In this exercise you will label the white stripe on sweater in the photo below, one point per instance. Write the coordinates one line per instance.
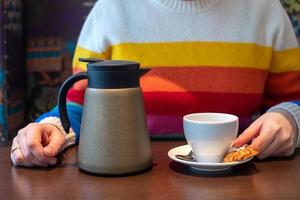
(262, 22)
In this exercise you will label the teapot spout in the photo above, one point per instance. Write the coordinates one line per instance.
(144, 71)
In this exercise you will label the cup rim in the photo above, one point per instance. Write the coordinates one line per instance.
(234, 118)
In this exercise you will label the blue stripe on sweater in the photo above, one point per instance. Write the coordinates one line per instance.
(74, 113)
(296, 102)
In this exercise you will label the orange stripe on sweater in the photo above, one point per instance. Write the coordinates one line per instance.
(283, 83)
(211, 79)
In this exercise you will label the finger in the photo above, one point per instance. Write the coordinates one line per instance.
(19, 160)
(269, 150)
(57, 141)
(22, 140)
(17, 157)
(265, 138)
(251, 132)
(284, 153)
(34, 144)
(284, 150)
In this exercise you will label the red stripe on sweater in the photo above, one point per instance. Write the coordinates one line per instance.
(181, 103)
(76, 96)
(273, 99)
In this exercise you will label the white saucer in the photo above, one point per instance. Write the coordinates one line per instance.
(209, 167)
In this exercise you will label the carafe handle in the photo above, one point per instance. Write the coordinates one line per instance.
(62, 98)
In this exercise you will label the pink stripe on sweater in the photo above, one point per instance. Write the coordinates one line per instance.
(164, 125)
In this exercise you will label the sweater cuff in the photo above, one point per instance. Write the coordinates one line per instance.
(294, 110)
(70, 137)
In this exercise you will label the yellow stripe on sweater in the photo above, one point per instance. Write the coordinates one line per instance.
(85, 53)
(286, 61)
(195, 54)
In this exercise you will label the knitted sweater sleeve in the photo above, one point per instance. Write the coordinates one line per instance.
(88, 46)
(283, 84)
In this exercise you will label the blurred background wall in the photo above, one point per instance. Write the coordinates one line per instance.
(52, 28)
(37, 41)
(12, 67)
(293, 9)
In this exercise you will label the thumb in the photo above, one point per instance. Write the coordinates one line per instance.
(50, 151)
(251, 132)
(57, 140)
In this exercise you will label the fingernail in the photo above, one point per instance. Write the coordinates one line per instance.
(232, 143)
(235, 143)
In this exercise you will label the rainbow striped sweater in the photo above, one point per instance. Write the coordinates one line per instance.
(231, 56)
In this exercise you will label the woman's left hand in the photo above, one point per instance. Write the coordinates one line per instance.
(272, 134)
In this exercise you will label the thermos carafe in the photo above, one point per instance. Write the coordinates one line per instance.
(114, 138)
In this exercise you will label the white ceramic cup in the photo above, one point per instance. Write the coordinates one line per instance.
(210, 135)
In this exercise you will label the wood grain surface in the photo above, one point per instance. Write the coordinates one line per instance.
(268, 179)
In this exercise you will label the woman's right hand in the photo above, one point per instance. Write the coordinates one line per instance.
(37, 145)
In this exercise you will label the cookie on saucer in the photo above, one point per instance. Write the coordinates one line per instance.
(240, 154)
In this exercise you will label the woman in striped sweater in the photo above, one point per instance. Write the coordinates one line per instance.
(232, 56)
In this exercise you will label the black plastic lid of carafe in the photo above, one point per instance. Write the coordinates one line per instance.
(110, 74)
(112, 65)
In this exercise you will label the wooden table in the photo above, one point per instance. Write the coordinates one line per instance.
(269, 179)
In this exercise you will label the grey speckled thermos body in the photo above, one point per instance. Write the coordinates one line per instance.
(114, 137)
